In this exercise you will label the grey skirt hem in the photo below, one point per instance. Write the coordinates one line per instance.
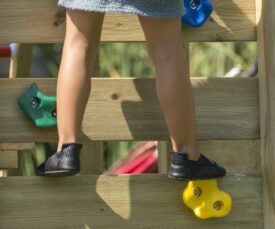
(176, 9)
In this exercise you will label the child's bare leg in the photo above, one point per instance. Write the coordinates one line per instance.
(174, 89)
(83, 30)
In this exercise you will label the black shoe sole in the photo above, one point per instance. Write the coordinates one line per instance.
(57, 173)
(192, 179)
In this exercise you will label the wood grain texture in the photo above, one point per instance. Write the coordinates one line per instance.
(8, 173)
(135, 201)
(16, 146)
(20, 66)
(127, 108)
(266, 57)
(40, 21)
(8, 159)
(163, 148)
(92, 155)
(235, 155)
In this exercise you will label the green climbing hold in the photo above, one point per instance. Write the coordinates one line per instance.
(39, 107)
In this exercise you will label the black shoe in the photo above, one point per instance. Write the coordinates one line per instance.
(184, 169)
(63, 163)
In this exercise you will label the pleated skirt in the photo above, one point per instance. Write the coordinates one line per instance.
(161, 9)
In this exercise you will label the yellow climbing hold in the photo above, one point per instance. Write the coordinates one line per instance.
(206, 199)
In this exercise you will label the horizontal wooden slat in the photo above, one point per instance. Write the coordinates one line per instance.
(127, 109)
(135, 201)
(39, 21)
(8, 173)
(8, 159)
(235, 155)
(16, 146)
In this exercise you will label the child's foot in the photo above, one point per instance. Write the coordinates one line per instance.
(184, 169)
(62, 163)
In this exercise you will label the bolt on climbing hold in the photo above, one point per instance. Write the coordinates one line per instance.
(40, 108)
(206, 199)
(196, 12)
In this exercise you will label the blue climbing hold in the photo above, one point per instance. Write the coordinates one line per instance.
(196, 12)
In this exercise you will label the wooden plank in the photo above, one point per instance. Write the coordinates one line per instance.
(136, 201)
(238, 156)
(21, 66)
(39, 21)
(92, 155)
(127, 109)
(164, 148)
(16, 146)
(8, 160)
(266, 56)
(8, 172)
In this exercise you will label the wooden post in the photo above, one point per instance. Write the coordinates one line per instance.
(21, 67)
(163, 156)
(92, 155)
(9, 161)
(265, 13)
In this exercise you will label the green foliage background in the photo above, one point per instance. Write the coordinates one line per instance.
(207, 59)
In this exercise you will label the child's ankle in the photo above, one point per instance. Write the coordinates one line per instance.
(193, 155)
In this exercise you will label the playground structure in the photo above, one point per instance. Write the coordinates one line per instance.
(235, 119)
